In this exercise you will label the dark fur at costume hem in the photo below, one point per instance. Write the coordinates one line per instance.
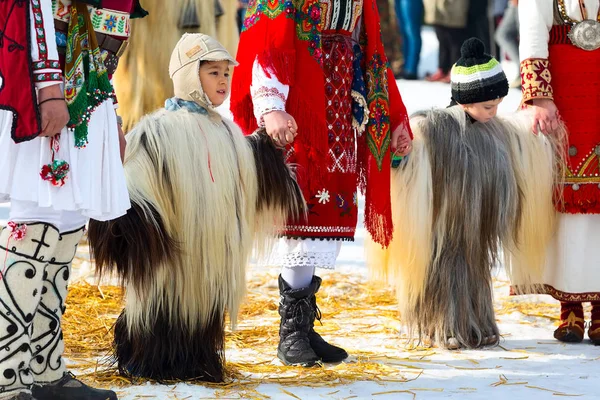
(131, 244)
(167, 351)
(277, 187)
(321, 238)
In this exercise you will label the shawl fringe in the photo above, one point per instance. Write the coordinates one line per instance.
(585, 200)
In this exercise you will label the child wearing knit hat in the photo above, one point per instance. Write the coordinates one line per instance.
(476, 187)
(478, 82)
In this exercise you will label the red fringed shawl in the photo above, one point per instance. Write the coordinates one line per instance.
(17, 91)
(285, 37)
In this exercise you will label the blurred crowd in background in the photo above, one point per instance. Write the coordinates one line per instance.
(495, 22)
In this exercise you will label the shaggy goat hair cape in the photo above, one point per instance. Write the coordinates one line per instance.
(468, 193)
(202, 195)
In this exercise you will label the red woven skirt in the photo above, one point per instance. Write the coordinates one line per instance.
(333, 209)
(576, 84)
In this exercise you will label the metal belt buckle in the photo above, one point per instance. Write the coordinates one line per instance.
(586, 35)
(122, 48)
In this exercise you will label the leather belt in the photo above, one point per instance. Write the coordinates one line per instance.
(105, 42)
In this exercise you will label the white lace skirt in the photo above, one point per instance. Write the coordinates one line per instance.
(95, 185)
(293, 253)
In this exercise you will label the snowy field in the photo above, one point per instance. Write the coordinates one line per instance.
(529, 364)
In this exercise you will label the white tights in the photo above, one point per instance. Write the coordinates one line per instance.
(29, 211)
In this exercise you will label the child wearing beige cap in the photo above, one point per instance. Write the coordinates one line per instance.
(200, 72)
(201, 193)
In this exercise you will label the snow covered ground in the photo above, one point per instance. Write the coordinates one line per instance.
(530, 364)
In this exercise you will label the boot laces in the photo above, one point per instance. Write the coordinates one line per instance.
(318, 314)
(298, 311)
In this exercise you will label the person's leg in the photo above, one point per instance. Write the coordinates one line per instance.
(443, 56)
(478, 24)
(297, 277)
(412, 14)
(47, 335)
(299, 344)
(457, 37)
(594, 330)
(26, 248)
(46, 366)
(508, 33)
(571, 326)
(402, 23)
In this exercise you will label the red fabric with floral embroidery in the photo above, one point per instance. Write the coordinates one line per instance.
(332, 209)
(286, 39)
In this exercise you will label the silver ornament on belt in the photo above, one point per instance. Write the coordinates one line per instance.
(586, 35)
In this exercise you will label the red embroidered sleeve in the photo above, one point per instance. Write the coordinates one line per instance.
(536, 79)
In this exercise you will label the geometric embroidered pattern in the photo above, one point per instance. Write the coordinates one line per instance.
(40, 32)
(337, 64)
(536, 79)
(47, 344)
(20, 292)
(48, 77)
(46, 64)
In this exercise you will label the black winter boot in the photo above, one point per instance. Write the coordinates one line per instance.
(68, 387)
(22, 396)
(327, 352)
(297, 317)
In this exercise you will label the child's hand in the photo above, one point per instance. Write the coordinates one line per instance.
(546, 116)
(281, 127)
(401, 141)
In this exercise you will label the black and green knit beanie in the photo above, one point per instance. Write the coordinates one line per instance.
(477, 77)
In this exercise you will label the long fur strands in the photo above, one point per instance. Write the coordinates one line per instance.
(466, 191)
(201, 194)
(278, 195)
(538, 165)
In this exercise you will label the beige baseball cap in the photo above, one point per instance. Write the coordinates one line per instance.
(194, 47)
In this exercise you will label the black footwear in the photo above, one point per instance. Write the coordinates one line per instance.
(327, 352)
(23, 396)
(572, 323)
(297, 315)
(409, 77)
(68, 387)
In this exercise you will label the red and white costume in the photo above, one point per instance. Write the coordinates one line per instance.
(95, 185)
(553, 67)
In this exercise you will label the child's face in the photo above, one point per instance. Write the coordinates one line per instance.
(483, 112)
(214, 78)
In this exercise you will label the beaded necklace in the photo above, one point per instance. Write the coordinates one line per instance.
(584, 34)
(568, 20)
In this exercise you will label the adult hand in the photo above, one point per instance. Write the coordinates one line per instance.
(281, 127)
(54, 113)
(401, 141)
(545, 116)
